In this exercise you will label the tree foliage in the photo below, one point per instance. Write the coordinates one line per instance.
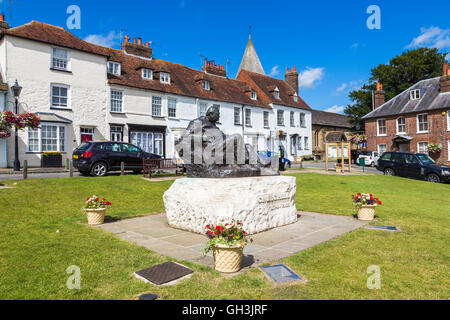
(401, 73)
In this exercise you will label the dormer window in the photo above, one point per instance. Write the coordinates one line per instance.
(206, 85)
(276, 93)
(147, 74)
(295, 97)
(254, 95)
(164, 77)
(114, 68)
(414, 94)
(60, 59)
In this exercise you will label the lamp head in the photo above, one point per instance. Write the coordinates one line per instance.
(16, 89)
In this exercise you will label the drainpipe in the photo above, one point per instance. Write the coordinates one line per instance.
(6, 108)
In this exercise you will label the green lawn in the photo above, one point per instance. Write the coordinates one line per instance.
(34, 257)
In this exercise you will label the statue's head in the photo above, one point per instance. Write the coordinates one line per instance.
(213, 113)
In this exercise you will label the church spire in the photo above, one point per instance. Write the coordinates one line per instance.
(250, 61)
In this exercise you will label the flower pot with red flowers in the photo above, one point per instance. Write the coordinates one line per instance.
(227, 243)
(96, 209)
(365, 205)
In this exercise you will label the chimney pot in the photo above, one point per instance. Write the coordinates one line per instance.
(140, 41)
(445, 69)
(134, 40)
(2, 16)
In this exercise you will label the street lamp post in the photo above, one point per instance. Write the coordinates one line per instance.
(16, 90)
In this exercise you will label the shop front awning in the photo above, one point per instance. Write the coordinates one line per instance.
(51, 117)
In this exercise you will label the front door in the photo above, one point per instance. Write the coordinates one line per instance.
(403, 147)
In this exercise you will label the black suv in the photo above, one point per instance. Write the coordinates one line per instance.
(97, 158)
(413, 165)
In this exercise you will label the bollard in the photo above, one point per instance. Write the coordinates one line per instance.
(67, 164)
(71, 168)
(25, 170)
(122, 168)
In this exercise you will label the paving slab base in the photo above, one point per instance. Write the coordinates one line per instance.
(311, 229)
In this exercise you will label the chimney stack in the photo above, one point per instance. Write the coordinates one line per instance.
(292, 79)
(213, 68)
(3, 23)
(445, 79)
(137, 48)
(379, 96)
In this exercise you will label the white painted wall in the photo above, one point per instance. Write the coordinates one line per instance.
(29, 62)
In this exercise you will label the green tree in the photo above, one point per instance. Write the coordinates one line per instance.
(401, 73)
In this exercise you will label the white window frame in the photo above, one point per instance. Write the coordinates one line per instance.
(276, 93)
(254, 95)
(418, 147)
(378, 128)
(303, 120)
(58, 138)
(448, 122)
(414, 94)
(111, 100)
(206, 85)
(155, 105)
(306, 146)
(116, 130)
(164, 77)
(418, 123)
(168, 108)
(200, 104)
(398, 130)
(385, 148)
(292, 119)
(147, 74)
(300, 143)
(52, 62)
(237, 116)
(248, 120)
(282, 118)
(266, 119)
(68, 107)
(114, 68)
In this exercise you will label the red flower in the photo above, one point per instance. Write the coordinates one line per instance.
(96, 199)
(208, 226)
(371, 199)
(380, 203)
(217, 228)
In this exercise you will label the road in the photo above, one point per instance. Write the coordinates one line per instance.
(321, 165)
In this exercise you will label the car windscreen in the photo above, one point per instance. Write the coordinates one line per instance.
(425, 158)
(365, 153)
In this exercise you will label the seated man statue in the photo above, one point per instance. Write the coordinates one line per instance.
(208, 153)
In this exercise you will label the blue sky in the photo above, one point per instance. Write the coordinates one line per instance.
(328, 41)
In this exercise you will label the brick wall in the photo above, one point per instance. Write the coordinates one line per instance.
(438, 132)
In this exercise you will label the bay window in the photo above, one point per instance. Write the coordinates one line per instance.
(48, 138)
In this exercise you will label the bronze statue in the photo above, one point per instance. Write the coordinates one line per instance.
(208, 153)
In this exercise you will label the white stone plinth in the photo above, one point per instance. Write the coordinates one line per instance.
(260, 203)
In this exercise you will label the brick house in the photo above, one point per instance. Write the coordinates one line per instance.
(412, 120)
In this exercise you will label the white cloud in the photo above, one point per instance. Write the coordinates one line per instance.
(110, 40)
(336, 109)
(432, 37)
(275, 71)
(342, 87)
(310, 77)
(355, 45)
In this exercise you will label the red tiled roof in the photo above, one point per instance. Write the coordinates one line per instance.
(184, 80)
(266, 85)
(54, 35)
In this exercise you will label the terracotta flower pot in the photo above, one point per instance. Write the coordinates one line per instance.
(96, 216)
(366, 213)
(228, 259)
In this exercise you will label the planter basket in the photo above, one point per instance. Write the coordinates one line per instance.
(96, 216)
(366, 213)
(228, 259)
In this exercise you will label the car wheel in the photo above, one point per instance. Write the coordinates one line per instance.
(99, 169)
(433, 178)
(389, 172)
(372, 164)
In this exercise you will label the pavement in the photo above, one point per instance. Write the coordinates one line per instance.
(154, 233)
(321, 165)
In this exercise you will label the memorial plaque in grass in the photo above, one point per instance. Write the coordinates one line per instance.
(281, 274)
(163, 273)
(383, 228)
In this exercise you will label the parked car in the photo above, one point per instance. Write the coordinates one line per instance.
(99, 158)
(413, 165)
(370, 157)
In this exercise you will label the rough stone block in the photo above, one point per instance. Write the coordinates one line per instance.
(260, 203)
